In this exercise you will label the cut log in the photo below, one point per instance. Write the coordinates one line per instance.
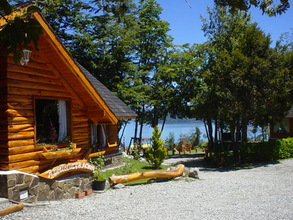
(179, 169)
(11, 209)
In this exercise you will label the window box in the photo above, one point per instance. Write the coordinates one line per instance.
(59, 151)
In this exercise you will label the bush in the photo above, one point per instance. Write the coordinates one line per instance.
(156, 154)
(267, 151)
(285, 148)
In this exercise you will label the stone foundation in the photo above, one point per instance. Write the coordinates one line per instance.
(20, 186)
(113, 160)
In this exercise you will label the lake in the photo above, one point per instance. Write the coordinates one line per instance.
(178, 127)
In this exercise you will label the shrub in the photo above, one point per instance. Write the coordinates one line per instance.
(267, 151)
(156, 154)
(285, 148)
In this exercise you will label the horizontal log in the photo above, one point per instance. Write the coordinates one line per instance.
(18, 143)
(22, 149)
(78, 113)
(179, 169)
(20, 105)
(20, 113)
(39, 92)
(19, 98)
(24, 164)
(20, 127)
(20, 120)
(11, 209)
(81, 130)
(79, 119)
(49, 79)
(22, 157)
(38, 69)
(35, 156)
(33, 85)
(77, 124)
(18, 135)
(32, 169)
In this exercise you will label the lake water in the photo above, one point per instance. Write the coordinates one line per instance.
(179, 127)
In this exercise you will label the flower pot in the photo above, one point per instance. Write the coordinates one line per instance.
(99, 185)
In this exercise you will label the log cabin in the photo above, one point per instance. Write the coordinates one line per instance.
(54, 112)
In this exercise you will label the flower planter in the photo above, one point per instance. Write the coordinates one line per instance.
(99, 185)
(59, 153)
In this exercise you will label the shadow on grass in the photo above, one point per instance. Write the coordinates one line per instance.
(208, 165)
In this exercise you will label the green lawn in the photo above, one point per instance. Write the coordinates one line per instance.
(132, 166)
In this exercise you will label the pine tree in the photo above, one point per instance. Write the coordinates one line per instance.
(156, 154)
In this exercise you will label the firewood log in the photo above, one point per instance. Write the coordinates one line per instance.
(179, 169)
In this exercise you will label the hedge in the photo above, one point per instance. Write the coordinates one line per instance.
(267, 151)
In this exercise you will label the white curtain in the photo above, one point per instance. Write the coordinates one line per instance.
(62, 120)
(102, 135)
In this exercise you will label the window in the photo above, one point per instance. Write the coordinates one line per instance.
(52, 120)
(282, 127)
(98, 136)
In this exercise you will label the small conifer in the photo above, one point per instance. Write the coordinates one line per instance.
(156, 154)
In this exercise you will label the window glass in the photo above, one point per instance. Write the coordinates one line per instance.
(98, 136)
(52, 120)
(282, 127)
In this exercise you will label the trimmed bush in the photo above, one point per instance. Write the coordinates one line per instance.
(267, 151)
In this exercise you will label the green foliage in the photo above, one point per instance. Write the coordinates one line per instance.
(19, 32)
(156, 154)
(267, 151)
(244, 81)
(285, 148)
(267, 7)
(170, 141)
(126, 169)
(97, 161)
(99, 175)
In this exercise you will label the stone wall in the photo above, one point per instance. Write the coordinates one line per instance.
(20, 186)
(113, 160)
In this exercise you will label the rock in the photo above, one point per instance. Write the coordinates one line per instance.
(193, 173)
(141, 159)
(118, 186)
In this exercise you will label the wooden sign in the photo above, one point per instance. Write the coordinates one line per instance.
(80, 166)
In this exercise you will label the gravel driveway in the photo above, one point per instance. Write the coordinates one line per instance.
(264, 192)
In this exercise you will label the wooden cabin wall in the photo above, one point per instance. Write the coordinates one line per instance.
(24, 83)
(3, 108)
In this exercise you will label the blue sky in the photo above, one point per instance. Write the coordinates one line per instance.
(185, 22)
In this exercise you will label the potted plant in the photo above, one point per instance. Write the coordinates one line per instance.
(99, 179)
(99, 182)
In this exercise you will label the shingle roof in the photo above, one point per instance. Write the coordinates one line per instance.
(118, 107)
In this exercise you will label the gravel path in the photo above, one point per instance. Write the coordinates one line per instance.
(264, 192)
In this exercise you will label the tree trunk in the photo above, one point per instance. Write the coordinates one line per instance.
(179, 169)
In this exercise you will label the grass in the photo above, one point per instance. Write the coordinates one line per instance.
(132, 166)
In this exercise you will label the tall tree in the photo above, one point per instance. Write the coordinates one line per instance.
(269, 7)
(152, 41)
(247, 76)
